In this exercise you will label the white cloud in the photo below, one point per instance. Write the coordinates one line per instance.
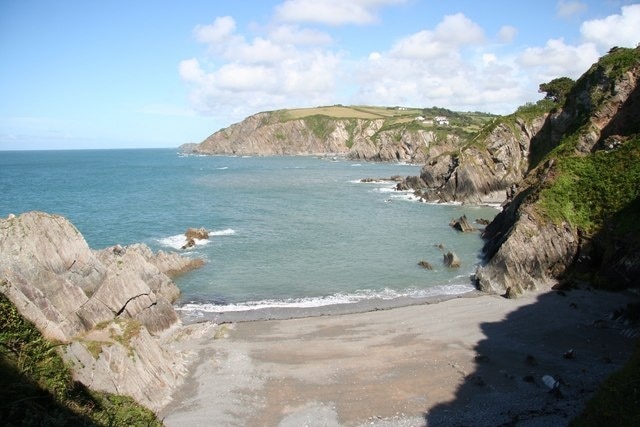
(557, 59)
(507, 34)
(488, 59)
(451, 64)
(615, 30)
(294, 35)
(216, 32)
(446, 66)
(566, 9)
(190, 71)
(331, 12)
(453, 32)
(240, 77)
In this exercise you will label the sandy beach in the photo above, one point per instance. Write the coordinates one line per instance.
(465, 361)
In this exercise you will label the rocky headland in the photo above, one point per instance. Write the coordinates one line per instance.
(110, 309)
(365, 133)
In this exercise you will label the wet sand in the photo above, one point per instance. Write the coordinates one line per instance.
(465, 361)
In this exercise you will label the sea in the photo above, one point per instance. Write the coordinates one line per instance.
(288, 236)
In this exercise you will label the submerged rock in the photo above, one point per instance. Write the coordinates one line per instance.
(425, 264)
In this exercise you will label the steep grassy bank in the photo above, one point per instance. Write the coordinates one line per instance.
(37, 388)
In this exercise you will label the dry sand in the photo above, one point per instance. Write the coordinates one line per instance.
(466, 361)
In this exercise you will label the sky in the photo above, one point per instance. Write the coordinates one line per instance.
(160, 73)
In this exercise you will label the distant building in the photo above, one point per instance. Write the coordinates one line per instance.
(441, 120)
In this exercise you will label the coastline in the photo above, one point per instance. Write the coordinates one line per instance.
(475, 360)
(295, 312)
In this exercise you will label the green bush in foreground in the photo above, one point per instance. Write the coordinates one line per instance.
(37, 388)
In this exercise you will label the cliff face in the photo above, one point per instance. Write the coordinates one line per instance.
(106, 305)
(484, 169)
(567, 219)
(265, 134)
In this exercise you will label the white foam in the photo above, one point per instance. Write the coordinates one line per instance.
(225, 232)
(223, 168)
(268, 303)
(179, 240)
(384, 190)
(335, 299)
(373, 181)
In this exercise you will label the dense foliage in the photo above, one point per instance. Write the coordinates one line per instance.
(589, 189)
(557, 89)
(37, 388)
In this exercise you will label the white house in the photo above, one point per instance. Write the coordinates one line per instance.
(441, 120)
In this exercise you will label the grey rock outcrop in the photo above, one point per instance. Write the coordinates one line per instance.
(70, 291)
(462, 224)
(451, 260)
(527, 250)
(482, 170)
(267, 134)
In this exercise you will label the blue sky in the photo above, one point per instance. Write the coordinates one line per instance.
(153, 73)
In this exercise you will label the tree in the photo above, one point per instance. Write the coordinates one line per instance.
(557, 89)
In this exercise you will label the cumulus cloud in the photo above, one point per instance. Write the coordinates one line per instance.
(615, 30)
(217, 32)
(557, 59)
(507, 34)
(239, 77)
(566, 9)
(451, 64)
(292, 34)
(331, 12)
(453, 32)
(445, 66)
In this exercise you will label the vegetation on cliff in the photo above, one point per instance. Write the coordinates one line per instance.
(361, 132)
(588, 190)
(37, 388)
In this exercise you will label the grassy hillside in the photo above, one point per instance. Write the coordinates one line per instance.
(37, 388)
(467, 121)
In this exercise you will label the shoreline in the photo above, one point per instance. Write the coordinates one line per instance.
(293, 312)
(476, 360)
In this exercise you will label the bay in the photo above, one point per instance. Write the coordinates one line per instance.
(284, 231)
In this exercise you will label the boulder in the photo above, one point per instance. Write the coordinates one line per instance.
(425, 264)
(451, 260)
(196, 233)
(462, 224)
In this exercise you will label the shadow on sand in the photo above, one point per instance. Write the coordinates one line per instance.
(570, 339)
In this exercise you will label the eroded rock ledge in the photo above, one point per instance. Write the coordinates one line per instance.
(111, 308)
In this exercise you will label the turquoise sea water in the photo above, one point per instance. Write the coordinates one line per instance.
(285, 231)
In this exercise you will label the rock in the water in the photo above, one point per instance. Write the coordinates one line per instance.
(196, 233)
(462, 224)
(193, 234)
(425, 264)
(451, 260)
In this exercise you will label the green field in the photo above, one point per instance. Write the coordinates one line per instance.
(467, 122)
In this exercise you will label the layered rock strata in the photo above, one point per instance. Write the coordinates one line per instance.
(526, 249)
(110, 308)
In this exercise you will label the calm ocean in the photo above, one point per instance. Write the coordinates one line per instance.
(285, 231)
